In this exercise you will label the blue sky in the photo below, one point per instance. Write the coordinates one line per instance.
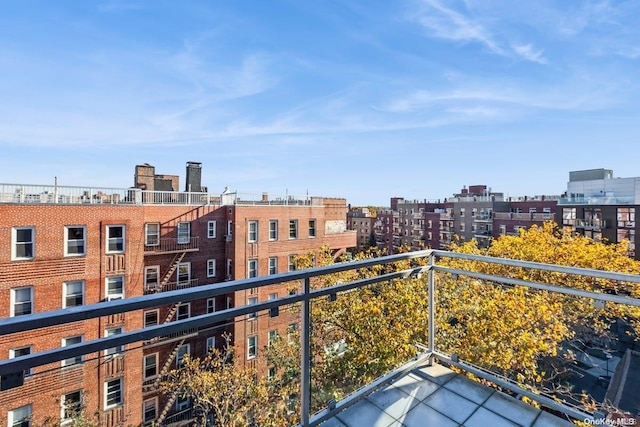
(359, 99)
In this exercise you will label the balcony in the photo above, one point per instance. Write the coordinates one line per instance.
(520, 216)
(167, 245)
(483, 217)
(152, 288)
(597, 200)
(421, 390)
(591, 224)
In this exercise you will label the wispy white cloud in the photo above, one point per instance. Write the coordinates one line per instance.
(528, 52)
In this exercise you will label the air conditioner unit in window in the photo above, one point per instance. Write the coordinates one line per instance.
(113, 297)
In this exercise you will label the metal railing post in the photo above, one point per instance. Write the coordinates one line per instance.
(432, 305)
(305, 362)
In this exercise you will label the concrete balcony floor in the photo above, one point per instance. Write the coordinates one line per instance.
(436, 396)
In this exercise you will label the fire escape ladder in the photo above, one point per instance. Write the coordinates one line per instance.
(166, 409)
(174, 264)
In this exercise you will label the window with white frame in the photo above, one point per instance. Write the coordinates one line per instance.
(115, 287)
(73, 293)
(150, 365)
(211, 229)
(114, 351)
(252, 301)
(211, 268)
(75, 240)
(184, 273)
(151, 278)
(252, 233)
(273, 336)
(273, 265)
(71, 405)
(312, 228)
(71, 341)
(113, 393)
(150, 411)
(182, 352)
(292, 263)
(211, 345)
(229, 229)
(184, 311)
(22, 301)
(184, 232)
(21, 351)
(252, 347)
(115, 238)
(273, 229)
(152, 234)
(252, 268)
(292, 333)
(229, 303)
(23, 243)
(20, 417)
(229, 268)
(271, 373)
(151, 318)
(182, 404)
(211, 305)
(293, 228)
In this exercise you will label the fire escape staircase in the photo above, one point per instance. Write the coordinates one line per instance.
(166, 409)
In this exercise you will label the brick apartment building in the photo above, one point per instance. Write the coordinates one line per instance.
(362, 220)
(69, 246)
(474, 213)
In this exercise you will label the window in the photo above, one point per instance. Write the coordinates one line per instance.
(184, 232)
(292, 333)
(73, 293)
(184, 273)
(211, 345)
(114, 351)
(253, 231)
(182, 352)
(211, 229)
(115, 287)
(71, 405)
(182, 404)
(292, 263)
(151, 318)
(71, 341)
(568, 216)
(312, 228)
(251, 301)
(229, 268)
(150, 365)
(18, 352)
(115, 238)
(20, 417)
(273, 335)
(21, 301)
(74, 241)
(252, 268)
(229, 230)
(273, 229)
(293, 228)
(184, 311)
(252, 347)
(271, 373)
(152, 234)
(151, 282)
(229, 303)
(23, 243)
(626, 217)
(150, 411)
(211, 305)
(113, 393)
(211, 268)
(273, 265)
(462, 211)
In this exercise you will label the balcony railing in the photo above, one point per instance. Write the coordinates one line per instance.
(171, 286)
(424, 264)
(166, 245)
(532, 216)
(591, 223)
(597, 200)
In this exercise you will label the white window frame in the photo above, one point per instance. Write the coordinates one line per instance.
(252, 347)
(313, 228)
(182, 316)
(156, 312)
(72, 361)
(64, 416)
(292, 262)
(252, 301)
(291, 330)
(114, 295)
(210, 344)
(149, 403)
(273, 230)
(211, 268)
(146, 366)
(211, 305)
(293, 229)
(184, 237)
(272, 335)
(117, 388)
(12, 421)
(211, 229)
(15, 243)
(151, 237)
(66, 295)
(178, 273)
(252, 231)
(68, 242)
(114, 351)
(121, 241)
(252, 268)
(273, 265)
(15, 302)
(147, 284)
(19, 352)
(183, 350)
(229, 229)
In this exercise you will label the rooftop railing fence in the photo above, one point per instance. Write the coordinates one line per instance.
(430, 268)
